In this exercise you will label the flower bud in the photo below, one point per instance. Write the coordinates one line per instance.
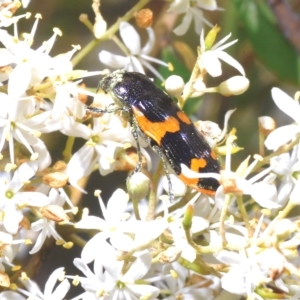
(100, 27)
(199, 88)
(56, 179)
(174, 85)
(266, 125)
(188, 217)
(211, 37)
(144, 18)
(138, 186)
(235, 85)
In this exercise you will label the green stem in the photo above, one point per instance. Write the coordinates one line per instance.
(193, 266)
(151, 204)
(67, 153)
(189, 89)
(136, 209)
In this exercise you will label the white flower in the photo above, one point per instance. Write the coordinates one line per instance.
(137, 57)
(32, 66)
(103, 142)
(19, 120)
(252, 268)
(46, 226)
(192, 10)
(34, 292)
(113, 225)
(12, 200)
(9, 249)
(263, 192)
(210, 58)
(93, 282)
(6, 16)
(116, 284)
(284, 166)
(177, 287)
(284, 134)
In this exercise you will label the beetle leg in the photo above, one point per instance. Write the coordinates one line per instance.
(165, 166)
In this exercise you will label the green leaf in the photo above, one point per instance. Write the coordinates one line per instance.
(270, 45)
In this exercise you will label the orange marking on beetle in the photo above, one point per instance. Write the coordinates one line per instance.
(193, 183)
(155, 130)
(183, 117)
(198, 163)
(213, 155)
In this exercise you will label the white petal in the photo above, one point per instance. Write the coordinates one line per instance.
(286, 104)
(179, 6)
(235, 280)
(135, 65)
(222, 41)
(151, 41)
(265, 195)
(199, 20)
(8, 295)
(116, 205)
(109, 261)
(23, 174)
(88, 253)
(207, 4)
(81, 265)
(141, 290)
(12, 218)
(199, 224)
(153, 229)
(230, 60)
(61, 290)
(281, 136)
(38, 225)
(184, 26)
(112, 60)
(188, 253)
(6, 57)
(179, 188)
(73, 128)
(52, 281)
(39, 242)
(229, 258)
(91, 222)
(19, 80)
(211, 63)
(81, 164)
(35, 198)
(130, 38)
(139, 268)
(44, 159)
(121, 242)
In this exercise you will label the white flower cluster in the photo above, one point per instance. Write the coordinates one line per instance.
(240, 242)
